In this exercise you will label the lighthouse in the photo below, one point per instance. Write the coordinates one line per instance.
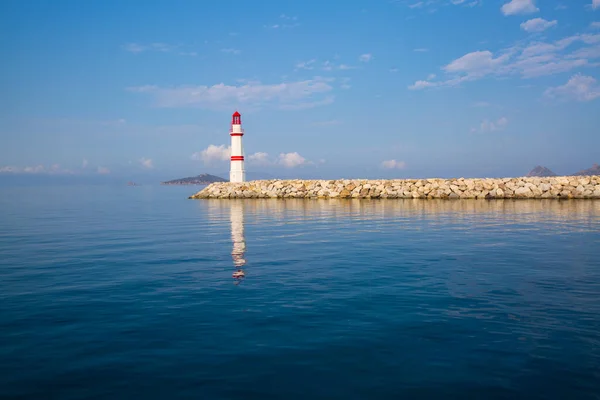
(237, 173)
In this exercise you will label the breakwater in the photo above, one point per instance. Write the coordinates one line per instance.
(562, 187)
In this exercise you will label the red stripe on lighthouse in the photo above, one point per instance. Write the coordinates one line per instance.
(236, 134)
(237, 158)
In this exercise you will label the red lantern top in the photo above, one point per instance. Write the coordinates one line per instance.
(236, 118)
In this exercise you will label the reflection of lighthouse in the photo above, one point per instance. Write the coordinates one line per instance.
(236, 213)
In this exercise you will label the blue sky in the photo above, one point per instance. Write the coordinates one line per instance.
(326, 89)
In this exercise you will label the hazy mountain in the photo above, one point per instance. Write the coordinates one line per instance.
(203, 179)
(541, 171)
(595, 170)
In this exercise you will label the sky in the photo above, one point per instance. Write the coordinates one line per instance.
(326, 89)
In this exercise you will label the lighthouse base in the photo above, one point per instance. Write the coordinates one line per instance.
(237, 176)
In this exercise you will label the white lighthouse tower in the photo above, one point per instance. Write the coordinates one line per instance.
(237, 172)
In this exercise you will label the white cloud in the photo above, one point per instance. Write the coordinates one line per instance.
(288, 160)
(213, 153)
(421, 85)
(84, 163)
(529, 60)
(421, 50)
(259, 158)
(103, 170)
(146, 163)
(515, 7)
(365, 57)
(537, 25)
(595, 4)
(291, 160)
(477, 62)
(286, 95)
(595, 25)
(579, 87)
(231, 51)
(393, 164)
(491, 126)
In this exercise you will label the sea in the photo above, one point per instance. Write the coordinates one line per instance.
(127, 292)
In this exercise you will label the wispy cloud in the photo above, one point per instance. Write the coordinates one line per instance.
(421, 50)
(538, 25)
(345, 83)
(146, 163)
(515, 7)
(140, 48)
(595, 4)
(595, 25)
(531, 60)
(285, 95)
(54, 169)
(393, 164)
(103, 171)
(579, 87)
(285, 21)
(491, 126)
(365, 57)
(306, 64)
(231, 51)
(330, 122)
(433, 5)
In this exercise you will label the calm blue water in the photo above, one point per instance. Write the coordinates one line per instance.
(127, 292)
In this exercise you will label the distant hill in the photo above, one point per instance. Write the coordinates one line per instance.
(541, 171)
(204, 179)
(595, 170)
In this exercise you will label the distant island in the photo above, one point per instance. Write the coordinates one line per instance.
(595, 170)
(204, 179)
(543, 172)
(540, 171)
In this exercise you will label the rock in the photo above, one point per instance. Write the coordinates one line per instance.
(523, 192)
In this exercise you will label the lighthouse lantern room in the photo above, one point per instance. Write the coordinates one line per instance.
(237, 172)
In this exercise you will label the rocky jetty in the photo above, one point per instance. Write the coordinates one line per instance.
(564, 187)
